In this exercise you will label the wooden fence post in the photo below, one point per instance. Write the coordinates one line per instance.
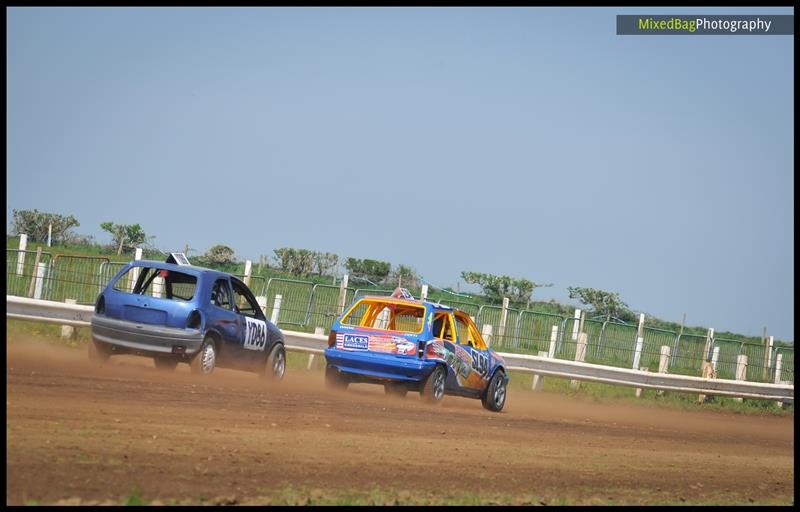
(575, 324)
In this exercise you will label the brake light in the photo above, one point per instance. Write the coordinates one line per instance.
(193, 322)
(100, 305)
(332, 339)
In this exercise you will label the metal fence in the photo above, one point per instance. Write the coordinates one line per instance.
(304, 305)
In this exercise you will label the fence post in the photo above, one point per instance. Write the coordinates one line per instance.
(158, 286)
(67, 331)
(262, 303)
(741, 371)
(551, 352)
(538, 380)
(501, 329)
(663, 364)
(580, 355)
(486, 334)
(49, 233)
(639, 390)
(778, 365)
(317, 330)
(23, 244)
(424, 293)
(342, 294)
(248, 269)
(276, 308)
(41, 268)
(637, 351)
(770, 340)
(709, 343)
(35, 273)
(575, 324)
(134, 274)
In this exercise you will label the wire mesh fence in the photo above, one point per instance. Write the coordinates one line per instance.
(305, 305)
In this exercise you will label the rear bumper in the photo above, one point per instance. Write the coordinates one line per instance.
(379, 367)
(145, 338)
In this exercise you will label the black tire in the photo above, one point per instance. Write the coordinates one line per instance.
(334, 379)
(433, 389)
(205, 360)
(495, 397)
(395, 389)
(165, 363)
(99, 352)
(275, 365)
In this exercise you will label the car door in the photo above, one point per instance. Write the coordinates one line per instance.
(252, 343)
(223, 317)
(469, 340)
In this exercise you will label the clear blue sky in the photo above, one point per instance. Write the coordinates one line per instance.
(523, 141)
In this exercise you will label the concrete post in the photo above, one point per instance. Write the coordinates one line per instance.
(424, 293)
(778, 365)
(342, 294)
(501, 329)
(248, 269)
(486, 334)
(580, 355)
(639, 390)
(317, 331)
(35, 272)
(637, 350)
(276, 309)
(41, 268)
(538, 380)
(714, 359)
(134, 273)
(663, 364)
(770, 341)
(709, 343)
(551, 352)
(23, 245)
(262, 303)
(575, 324)
(741, 371)
(49, 233)
(68, 331)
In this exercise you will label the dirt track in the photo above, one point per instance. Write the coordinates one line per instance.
(79, 433)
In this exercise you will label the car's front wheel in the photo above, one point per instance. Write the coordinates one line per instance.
(275, 366)
(334, 379)
(495, 397)
(433, 389)
(165, 363)
(205, 360)
(99, 352)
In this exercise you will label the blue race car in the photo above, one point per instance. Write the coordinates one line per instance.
(181, 313)
(413, 345)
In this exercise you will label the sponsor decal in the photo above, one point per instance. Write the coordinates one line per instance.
(255, 334)
(356, 342)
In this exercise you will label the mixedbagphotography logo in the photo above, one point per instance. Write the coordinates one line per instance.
(694, 24)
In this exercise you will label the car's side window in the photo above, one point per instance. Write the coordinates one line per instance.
(245, 302)
(475, 338)
(464, 335)
(221, 294)
(443, 327)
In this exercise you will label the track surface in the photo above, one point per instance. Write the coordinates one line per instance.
(84, 434)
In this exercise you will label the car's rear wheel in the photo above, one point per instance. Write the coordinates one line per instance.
(495, 397)
(99, 352)
(205, 360)
(334, 379)
(275, 366)
(165, 363)
(433, 389)
(395, 389)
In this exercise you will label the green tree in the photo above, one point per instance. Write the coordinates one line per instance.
(406, 277)
(217, 255)
(298, 262)
(125, 236)
(373, 270)
(602, 302)
(35, 224)
(324, 262)
(518, 291)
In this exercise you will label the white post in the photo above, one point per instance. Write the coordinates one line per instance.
(342, 294)
(138, 254)
(714, 359)
(769, 351)
(23, 244)
(49, 233)
(637, 352)
(709, 342)
(741, 371)
(424, 293)
(575, 324)
(778, 365)
(501, 329)
(486, 334)
(663, 364)
(538, 380)
(67, 331)
(276, 309)
(134, 274)
(248, 268)
(639, 390)
(553, 339)
(262, 303)
(41, 268)
(318, 331)
(580, 355)
(158, 286)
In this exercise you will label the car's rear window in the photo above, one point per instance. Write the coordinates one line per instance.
(385, 316)
(157, 282)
